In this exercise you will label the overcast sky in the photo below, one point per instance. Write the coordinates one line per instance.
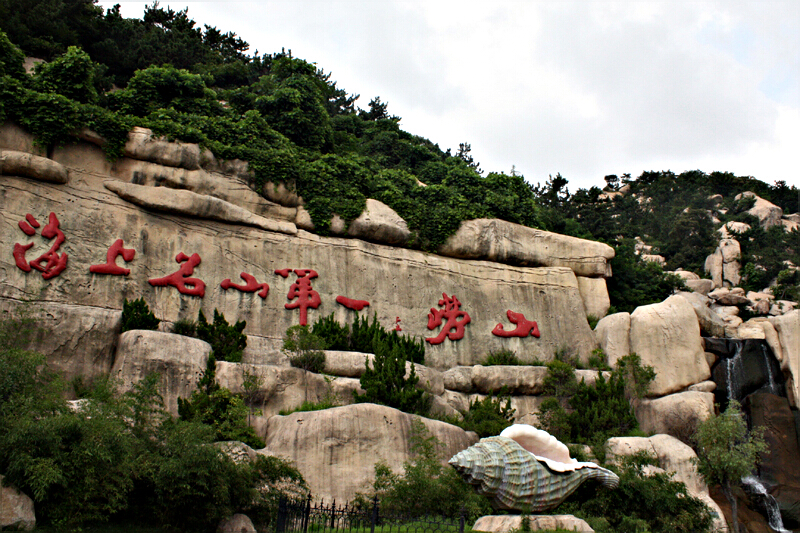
(584, 88)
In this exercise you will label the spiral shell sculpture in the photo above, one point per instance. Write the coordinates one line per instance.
(513, 478)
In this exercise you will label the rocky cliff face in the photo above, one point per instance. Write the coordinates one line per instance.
(233, 231)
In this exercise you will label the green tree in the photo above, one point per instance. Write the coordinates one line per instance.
(727, 452)
(71, 74)
(137, 315)
(227, 341)
(305, 349)
(385, 381)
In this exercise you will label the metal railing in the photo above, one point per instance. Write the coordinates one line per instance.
(296, 516)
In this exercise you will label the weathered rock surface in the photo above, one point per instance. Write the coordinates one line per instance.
(397, 282)
(379, 222)
(505, 242)
(701, 286)
(517, 379)
(78, 340)
(14, 163)
(730, 229)
(594, 293)
(678, 414)
(227, 188)
(669, 327)
(508, 523)
(788, 329)
(767, 213)
(614, 336)
(184, 202)
(336, 449)
(16, 509)
(179, 360)
(711, 324)
(723, 265)
(673, 456)
(238, 523)
(744, 367)
(143, 146)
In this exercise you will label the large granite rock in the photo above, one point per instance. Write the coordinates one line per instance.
(711, 324)
(142, 145)
(673, 456)
(678, 414)
(16, 509)
(78, 340)
(595, 296)
(379, 222)
(667, 337)
(397, 282)
(336, 449)
(788, 329)
(238, 523)
(13, 163)
(723, 265)
(179, 361)
(767, 213)
(506, 242)
(614, 336)
(509, 523)
(184, 202)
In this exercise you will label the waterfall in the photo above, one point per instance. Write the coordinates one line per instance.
(733, 372)
(773, 513)
(772, 386)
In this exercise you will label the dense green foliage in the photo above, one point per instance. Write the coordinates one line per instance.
(598, 411)
(363, 335)
(137, 315)
(118, 457)
(385, 382)
(227, 341)
(305, 349)
(502, 357)
(488, 417)
(218, 408)
(641, 504)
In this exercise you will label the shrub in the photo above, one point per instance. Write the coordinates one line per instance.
(305, 349)
(490, 416)
(598, 360)
(560, 380)
(501, 357)
(384, 381)
(185, 327)
(137, 315)
(637, 377)
(227, 342)
(335, 335)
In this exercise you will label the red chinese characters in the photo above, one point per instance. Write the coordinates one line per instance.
(251, 285)
(50, 263)
(456, 320)
(355, 305)
(180, 279)
(111, 266)
(524, 327)
(301, 291)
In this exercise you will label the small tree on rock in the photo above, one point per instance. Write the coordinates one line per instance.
(727, 452)
(385, 383)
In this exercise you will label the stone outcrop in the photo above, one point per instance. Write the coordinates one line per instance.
(397, 282)
(506, 242)
(614, 336)
(767, 213)
(509, 523)
(13, 163)
(711, 324)
(336, 449)
(141, 145)
(379, 222)
(188, 203)
(678, 414)
(16, 509)
(788, 329)
(238, 523)
(518, 380)
(673, 456)
(594, 293)
(670, 327)
(723, 265)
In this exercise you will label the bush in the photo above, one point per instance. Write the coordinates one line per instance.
(385, 383)
(137, 315)
(560, 380)
(334, 335)
(502, 357)
(488, 417)
(185, 327)
(305, 349)
(227, 342)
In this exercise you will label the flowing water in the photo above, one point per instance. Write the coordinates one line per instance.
(773, 512)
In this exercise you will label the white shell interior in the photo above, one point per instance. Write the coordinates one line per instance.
(545, 447)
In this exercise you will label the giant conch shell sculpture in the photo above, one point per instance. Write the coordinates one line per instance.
(525, 469)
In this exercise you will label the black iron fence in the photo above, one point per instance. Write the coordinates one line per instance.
(307, 517)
